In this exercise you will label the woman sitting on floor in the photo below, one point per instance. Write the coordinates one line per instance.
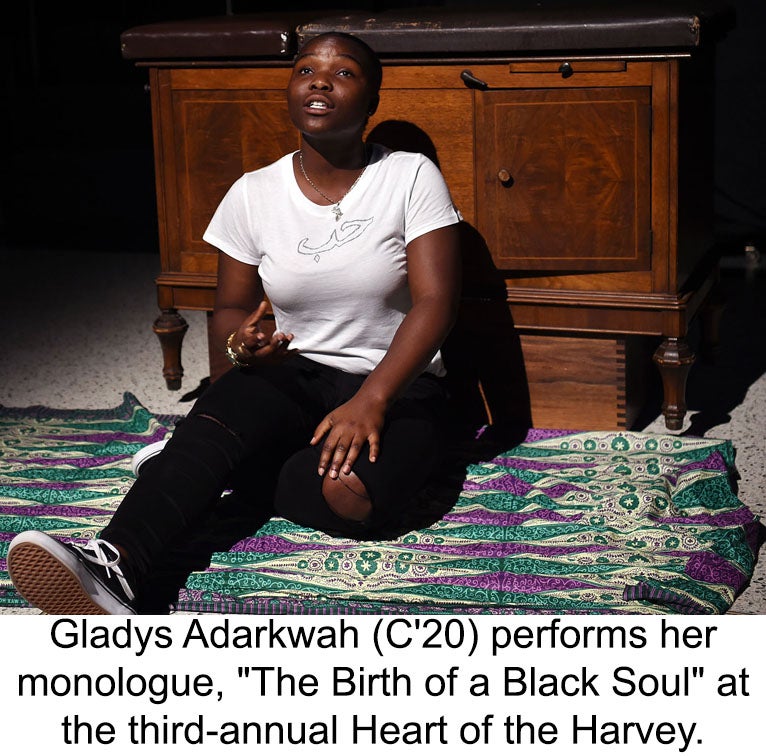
(334, 421)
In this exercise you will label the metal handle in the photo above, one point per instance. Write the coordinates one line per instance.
(566, 70)
(472, 82)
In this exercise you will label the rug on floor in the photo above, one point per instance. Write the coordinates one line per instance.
(565, 522)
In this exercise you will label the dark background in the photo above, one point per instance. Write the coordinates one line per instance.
(77, 170)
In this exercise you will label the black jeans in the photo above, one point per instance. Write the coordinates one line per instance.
(249, 433)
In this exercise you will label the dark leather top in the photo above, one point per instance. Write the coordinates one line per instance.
(526, 27)
(261, 35)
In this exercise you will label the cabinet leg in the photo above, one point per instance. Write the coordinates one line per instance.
(170, 328)
(674, 359)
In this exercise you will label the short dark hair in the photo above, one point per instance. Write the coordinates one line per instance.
(371, 62)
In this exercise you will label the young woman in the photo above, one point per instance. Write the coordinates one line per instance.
(333, 421)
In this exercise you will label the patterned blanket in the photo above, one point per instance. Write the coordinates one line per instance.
(586, 522)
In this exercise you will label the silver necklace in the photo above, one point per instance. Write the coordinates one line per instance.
(335, 205)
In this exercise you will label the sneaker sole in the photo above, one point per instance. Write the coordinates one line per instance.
(45, 581)
(142, 456)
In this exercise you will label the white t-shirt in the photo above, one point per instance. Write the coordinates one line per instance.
(339, 286)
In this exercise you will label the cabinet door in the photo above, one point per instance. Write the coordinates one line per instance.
(219, 135)
(563, 178)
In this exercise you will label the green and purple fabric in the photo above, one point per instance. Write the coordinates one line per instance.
(585, 522)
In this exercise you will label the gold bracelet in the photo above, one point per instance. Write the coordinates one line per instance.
(234, 358)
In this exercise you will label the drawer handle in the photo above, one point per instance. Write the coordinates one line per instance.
(472, 82)
(566, 70)
(504, 177)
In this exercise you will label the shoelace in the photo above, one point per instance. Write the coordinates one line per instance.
(102, 559)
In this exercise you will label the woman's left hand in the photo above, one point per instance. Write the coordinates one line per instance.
(345, 431)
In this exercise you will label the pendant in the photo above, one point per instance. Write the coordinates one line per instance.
(336, 209)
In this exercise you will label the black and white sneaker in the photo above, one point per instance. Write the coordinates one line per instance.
(63, 578)
(142, 456)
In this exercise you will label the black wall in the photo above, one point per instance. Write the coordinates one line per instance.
(77, 170)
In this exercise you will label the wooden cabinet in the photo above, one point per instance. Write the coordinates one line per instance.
(584, 182)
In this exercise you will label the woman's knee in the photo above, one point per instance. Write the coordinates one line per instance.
(347, 496)
(302, 496)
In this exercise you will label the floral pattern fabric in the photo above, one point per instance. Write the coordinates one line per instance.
(564, 522)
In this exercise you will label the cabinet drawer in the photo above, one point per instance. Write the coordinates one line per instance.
(563, 177)
(567, 68)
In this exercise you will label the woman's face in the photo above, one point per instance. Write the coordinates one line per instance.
(330, 93)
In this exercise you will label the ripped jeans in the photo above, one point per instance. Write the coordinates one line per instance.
(249, 433)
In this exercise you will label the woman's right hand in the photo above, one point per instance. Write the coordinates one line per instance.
(252, 345)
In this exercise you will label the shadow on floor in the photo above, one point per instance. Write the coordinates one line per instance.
(716, 388)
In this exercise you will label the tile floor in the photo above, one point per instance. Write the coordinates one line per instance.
(76, 333)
